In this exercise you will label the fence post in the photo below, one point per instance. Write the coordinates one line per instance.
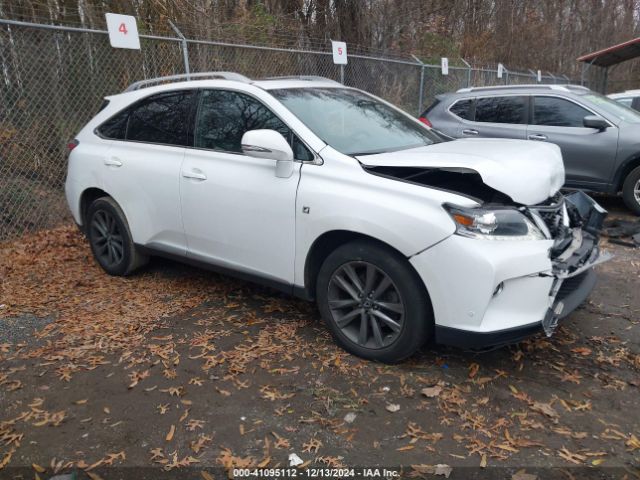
(185, 53)
(421, 92)
(468, 71)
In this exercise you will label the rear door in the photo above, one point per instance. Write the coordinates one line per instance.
(141, 168)
(502, 116)
(589, 154)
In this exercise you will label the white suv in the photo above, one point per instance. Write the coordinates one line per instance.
(332, 194)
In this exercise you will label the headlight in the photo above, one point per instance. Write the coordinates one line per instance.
(493, 224)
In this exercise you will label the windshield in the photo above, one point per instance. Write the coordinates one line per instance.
(614, 108)
(353, 122)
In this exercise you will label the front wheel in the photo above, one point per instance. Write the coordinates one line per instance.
(373, 302)
(631, 191)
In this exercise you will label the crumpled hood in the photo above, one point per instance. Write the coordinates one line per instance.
(529, 172)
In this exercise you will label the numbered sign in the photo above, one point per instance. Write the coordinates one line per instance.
(123, 31)
(444, 64)
(500, 70)
(339, 52)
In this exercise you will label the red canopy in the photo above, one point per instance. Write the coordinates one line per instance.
(613, 55)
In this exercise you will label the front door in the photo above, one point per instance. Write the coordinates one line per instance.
(589, 154)
(237, 214)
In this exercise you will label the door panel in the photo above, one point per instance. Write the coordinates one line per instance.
(141, 168)
(238, 214)
(144, 180)
(588, 154)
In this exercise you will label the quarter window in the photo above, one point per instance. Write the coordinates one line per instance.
(501, 110)
(462, 109)
(163, 118)
(225, 116)
(558, 112)
(116, 127)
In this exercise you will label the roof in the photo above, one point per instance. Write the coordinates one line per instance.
(614, 54)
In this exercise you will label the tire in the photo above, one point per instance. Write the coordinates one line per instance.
(631, 191)
(403, 300)
(110, 238)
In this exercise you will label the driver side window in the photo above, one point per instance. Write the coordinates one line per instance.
(558, 112)
(225, 116)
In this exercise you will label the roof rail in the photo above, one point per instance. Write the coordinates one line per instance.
(187, 76)
(309, 78)
(512, 87)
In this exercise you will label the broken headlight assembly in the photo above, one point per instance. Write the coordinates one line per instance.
(493, 223)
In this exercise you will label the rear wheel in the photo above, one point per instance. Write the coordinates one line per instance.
(631, 191)
(373, 302)
(110, 238)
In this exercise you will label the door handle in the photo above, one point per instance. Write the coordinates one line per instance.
(537, 136)
(112, 162)
(469, 131)
(194, 175)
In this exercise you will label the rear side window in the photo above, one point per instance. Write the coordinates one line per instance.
(162, 118)
(116, 127)
(558, 112)
(225, 116)
(501, 110)
(462, 109)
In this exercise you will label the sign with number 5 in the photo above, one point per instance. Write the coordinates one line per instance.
(339, 52)
(123, 31)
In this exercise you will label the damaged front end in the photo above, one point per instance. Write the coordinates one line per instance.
(574, 223)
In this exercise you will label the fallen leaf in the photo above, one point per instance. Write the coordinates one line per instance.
(431, 391)
(38, 468)
(393, 407)
(169, 436)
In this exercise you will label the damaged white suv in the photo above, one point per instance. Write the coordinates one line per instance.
(332, 194)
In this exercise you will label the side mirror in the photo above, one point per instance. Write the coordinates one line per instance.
(271, 145)
(593, 121)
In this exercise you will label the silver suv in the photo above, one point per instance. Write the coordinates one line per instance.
(599, 138)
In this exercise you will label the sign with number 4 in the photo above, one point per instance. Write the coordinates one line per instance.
(123, 31)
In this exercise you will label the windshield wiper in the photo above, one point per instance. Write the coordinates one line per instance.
(362, 154)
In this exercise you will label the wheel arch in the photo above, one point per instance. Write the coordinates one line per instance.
(86, 198)
(326, 243)
(625, 169)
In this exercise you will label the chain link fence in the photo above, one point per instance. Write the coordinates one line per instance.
(54, 79)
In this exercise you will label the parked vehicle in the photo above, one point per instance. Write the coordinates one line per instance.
(630, 98)
(332, 194)
(599, 138)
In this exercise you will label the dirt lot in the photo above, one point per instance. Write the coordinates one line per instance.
(194, 373)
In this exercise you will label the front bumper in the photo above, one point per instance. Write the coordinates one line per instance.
(486, 293)
(572, 294)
